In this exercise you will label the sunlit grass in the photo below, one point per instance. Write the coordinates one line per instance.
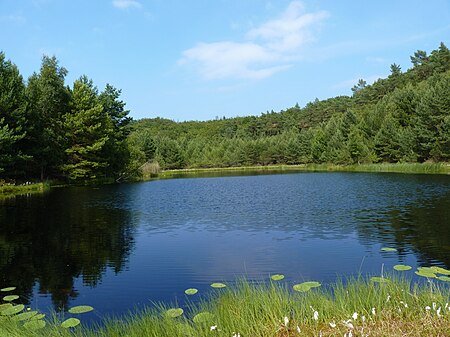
(355, 307)
(7, 190)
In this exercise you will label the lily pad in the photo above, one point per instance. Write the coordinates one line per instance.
(306, 286)
(5, 306)
(10, 298)
(25, 316)
(218, 285)
(70, 323)
(379, 279)
(8, 289)
(81, 309)
(388, 249)
(191, 291)
(35, 324)
(444, 278)
(13, 310)
(425, 273)
(402, 267)
(203, 317)
(277, 277)
(175, 312)
(38, 316)
(439, 270)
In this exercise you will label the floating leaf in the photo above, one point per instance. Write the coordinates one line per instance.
(38, 316)
(425, 273)
(13, 310)
(444, 278)
(10, 298)
(172, 313)
(5, 306)
(191, 291)
(70, 323)
(379, 279)
(402, 267)
(35, 324)
(25, 315)
(81, 309)
(388, 249)
(439, 270)
(306, 286)
(8, 289)
(203, 317)
(277, 277)
(218, 285)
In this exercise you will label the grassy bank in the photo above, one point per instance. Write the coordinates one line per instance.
(8, 190)
(415, 168)
(358, 307)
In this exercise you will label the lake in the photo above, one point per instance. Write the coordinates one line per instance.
(121, 247)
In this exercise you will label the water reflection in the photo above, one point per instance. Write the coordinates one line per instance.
(54, 238)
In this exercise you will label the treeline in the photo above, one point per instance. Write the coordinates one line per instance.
(402, 118)
(50, 130)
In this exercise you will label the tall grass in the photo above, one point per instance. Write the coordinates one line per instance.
(7, 190)
(356, 307)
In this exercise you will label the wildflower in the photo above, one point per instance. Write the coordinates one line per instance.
(236, 335)
(214, 327)
(286, 321)
(350, 334)
(298, 329)
(434, 306)
(316, 315)
(427, 308)
(332, 324)
(446, 306)
(363, 318)
(348, 324)
(373, 311)
(355, 316)
(388, 298)
(438, 312)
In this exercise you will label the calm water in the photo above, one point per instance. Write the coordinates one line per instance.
(121, 247)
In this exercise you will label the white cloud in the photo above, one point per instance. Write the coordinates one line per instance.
(266, 50)
(124, 4)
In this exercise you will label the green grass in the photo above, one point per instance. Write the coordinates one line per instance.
(416, 168)
(396, 308)
(8, 190)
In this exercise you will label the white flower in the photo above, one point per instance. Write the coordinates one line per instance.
(348, 324)
(438, 312)
(286, 321)
(355, 315)
(350, 334)
(316, 315)
(363, 318)
(427, 308)
(434, 306)
(236, 335)
(388, 298)
(298, 329)
(446, 306)
(214, 327)
(332, 324)
(373, 311)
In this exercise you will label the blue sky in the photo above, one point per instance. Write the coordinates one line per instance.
(199, 59)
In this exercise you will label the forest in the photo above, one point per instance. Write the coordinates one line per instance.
(49, 130)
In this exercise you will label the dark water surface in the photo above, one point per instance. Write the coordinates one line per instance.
(126, 246)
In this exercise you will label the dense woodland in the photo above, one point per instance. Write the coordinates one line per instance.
(50, 130)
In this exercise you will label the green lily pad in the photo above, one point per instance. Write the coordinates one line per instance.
(203, 317)
(218, 285)
(444, 278)
(306, 286)
(25, 316)
(191, 291)
(8, 289)
(388, 249)
(5, 306)
(35, 324)
(172, 313)
(13, 310)
(439, 270)
(10, 298)
(81, 309)
(70, 323)
(402, 267)
(277, 277)
(425, 273)
(38, 316)
(379, 279)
